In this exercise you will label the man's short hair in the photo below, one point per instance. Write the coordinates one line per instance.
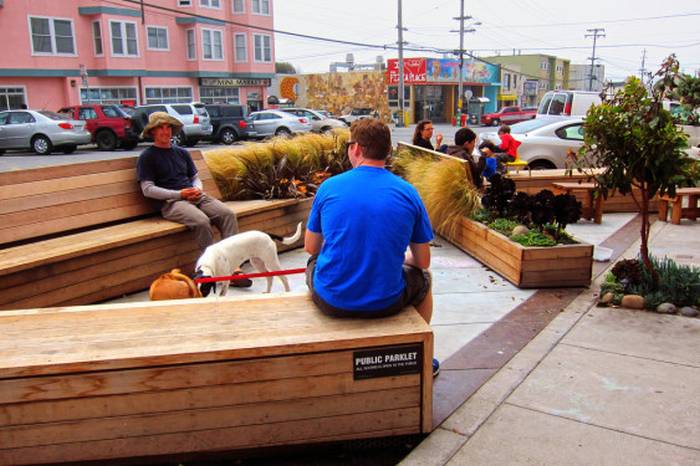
(504, 129)
(373, 136)
(464, 135)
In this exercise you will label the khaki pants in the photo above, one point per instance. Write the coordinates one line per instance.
(201, 216)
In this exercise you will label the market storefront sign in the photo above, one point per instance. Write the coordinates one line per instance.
(413, 71)
(234, 82)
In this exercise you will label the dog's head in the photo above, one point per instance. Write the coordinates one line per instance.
(204, 288)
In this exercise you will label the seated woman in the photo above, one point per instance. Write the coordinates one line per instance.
(423, 133)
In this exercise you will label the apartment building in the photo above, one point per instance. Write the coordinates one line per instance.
(67, 52)
(580, 78)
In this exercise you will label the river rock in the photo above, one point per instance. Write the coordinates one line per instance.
(520, 230)
(689, 311)
(632, 301)
(666, 308)
(607, 298)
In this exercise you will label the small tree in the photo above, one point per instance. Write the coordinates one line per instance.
(637, 144)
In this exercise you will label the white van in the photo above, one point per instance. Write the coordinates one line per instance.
(561, 105)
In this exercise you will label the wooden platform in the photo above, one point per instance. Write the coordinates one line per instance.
(136, 380)
(691, 211)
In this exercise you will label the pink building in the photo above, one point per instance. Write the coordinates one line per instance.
(171, 51)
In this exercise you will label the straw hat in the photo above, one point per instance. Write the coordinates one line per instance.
(161, 118)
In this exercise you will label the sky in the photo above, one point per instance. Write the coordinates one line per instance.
(532, 26)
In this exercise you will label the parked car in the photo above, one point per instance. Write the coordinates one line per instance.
(356, 114)
(561, 105)
(508, 116)
(545, 144)
(229, 122)
(109, 125)
(278, 123)
(41, 131)
(195, 121)
(319, 123)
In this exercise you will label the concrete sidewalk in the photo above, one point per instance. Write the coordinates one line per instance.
(597, 386)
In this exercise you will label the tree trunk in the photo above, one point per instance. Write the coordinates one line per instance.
(646, 227)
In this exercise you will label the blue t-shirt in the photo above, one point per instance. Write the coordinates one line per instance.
(171, 168)
(367, 217)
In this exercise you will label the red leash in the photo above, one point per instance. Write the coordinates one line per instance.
(248, 275)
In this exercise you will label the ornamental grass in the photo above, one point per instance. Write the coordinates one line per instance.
(281, 168)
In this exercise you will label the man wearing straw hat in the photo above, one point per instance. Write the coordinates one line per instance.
(168, 175)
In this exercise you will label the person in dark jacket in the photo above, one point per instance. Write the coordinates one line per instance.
(465, 141)
(423, 134)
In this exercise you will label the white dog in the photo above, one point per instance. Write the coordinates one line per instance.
(224, 257)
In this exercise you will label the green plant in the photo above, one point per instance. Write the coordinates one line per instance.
(498, 195)
(677, 284)
(534, 238)
(637, 144)
(503, 225)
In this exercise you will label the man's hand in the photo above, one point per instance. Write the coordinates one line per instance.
(438, 139)
(191, 194)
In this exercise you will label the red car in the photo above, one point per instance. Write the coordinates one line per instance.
(508, 116)
(109, 125)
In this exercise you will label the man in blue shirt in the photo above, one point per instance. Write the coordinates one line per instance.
(369, 236)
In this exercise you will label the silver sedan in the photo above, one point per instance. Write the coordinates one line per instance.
(278, 123)
(545, 144)
(41, 131)
(319, 123)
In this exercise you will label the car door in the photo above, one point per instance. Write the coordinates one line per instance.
(509, 115)
(3, 121)
(19, 129)
(264, 124)
(89, 116)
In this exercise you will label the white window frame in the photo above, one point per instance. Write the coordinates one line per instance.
(544, 65)
(260, 7)
(145, 94)
(194, 44)
(262, 54)
(209, 4)
(233, 7)
(236, 58)
(167, 39)
(52, 34)
(24, 92)
(211, 32)
(94, 39)
(122, 24)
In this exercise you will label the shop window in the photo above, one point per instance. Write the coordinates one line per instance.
(168, 95)
(219, 95)
(108, 95)
(12, 98)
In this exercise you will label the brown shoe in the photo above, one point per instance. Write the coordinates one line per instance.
(242, 282)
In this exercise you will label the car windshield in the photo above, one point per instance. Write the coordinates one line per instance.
(53, 115)
(529, 125)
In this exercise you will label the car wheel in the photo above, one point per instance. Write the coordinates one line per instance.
(42, 145)
(69, 149)
(495, 122)
(541, 165)
(106, 140)
(191, 142)
(179, 139)
(228, 136)
(129, 145)
(283, 132)
(326, 129)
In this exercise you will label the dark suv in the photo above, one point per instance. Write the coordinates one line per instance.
(229, 123)
(109, 125)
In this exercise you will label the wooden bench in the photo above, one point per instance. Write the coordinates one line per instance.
(593, 205)
(692, 211)
(161, 378)
(83, 233)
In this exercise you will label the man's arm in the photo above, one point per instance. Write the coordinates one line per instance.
(312, 242)
(418, 255)
(149, 189)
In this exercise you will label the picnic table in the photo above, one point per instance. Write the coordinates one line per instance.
(593, 208)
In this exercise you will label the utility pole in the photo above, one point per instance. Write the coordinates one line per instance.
(460, 91)
(400, 123)
(594, 33)
(643, 70)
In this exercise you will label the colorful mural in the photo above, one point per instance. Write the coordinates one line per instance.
(341, 92)
(440, 70)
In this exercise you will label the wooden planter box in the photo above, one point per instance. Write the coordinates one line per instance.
(544, 179)
(525, 267)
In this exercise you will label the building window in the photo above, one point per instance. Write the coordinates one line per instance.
(12, 98)
(261, 7)
(191, 46)
(515, 81)
(52, 36)
(560, 69)
(212, 44)
(263, 48)
(544, 65)
(220, 95)
(124, 39)
(168, 95)
(241, 46)
(108, 95)
(97, 38)
(506, 81)
(238, 6)
(184, 2)
(157, 38)
(210, 3)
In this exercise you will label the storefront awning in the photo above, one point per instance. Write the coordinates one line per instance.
(481, 100)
